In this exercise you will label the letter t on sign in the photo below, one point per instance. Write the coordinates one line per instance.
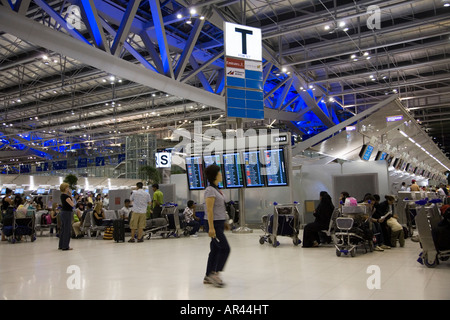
(244, 38)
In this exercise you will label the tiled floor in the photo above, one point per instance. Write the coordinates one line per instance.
(174, 269)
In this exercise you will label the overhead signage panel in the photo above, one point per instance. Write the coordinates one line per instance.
(243, 41)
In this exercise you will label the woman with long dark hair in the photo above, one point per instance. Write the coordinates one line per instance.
(217, 215)
(323, 213)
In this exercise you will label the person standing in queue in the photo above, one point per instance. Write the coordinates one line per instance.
(157, 201)
(217, 215)
(140, 199)
(66, 217)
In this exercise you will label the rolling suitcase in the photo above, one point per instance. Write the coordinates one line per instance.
(119, 230)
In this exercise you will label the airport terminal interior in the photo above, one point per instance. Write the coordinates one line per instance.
(323, 126)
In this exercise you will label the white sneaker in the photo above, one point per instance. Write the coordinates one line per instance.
(213, 279)
(193, 236)
(378, 248)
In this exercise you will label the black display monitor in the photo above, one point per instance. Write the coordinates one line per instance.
(194, 172)
(252, 169)
(381, 155)
(403, 167)
(214, 159)
(275, 168)
(233, 170)
(389, 160)
(366, 152)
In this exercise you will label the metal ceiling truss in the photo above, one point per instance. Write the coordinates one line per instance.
(164, 47)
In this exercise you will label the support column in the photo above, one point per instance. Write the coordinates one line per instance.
(242, 223)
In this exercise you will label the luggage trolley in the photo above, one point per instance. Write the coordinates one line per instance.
(285, 220)
(350, 231)
(15, 228)
(427, 220)
(166, 226)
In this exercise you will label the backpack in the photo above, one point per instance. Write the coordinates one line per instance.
(46, 219)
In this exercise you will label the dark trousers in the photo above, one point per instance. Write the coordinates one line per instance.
(311, 233)
(66, 229)
(220, 249)
(378, 233)
(195, 226)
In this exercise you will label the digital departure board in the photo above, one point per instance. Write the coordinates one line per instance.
(214, 159)
(275, 168)
(233, 170)
(366, 152)
(252, 169)
(194, 171)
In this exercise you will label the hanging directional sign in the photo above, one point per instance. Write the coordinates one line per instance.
(243, 70)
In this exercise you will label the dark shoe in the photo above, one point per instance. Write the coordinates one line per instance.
(131, 240)
(141, 240)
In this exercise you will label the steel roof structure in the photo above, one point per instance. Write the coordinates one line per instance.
(77, 76)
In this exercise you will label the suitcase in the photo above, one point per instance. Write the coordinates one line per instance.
(119, 230)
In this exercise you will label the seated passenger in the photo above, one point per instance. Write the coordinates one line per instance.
(441, 233)
(380, 228)
(126, 211)
(76, 225)
(397, 232)
(99, 215)
(191, 219)
(322, 214)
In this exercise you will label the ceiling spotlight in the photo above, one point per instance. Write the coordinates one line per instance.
(327, 27)
(342, 24)
(179, 16)
(193, 11)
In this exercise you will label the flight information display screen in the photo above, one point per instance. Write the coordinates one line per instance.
(275, 168)
(194, 171)
(214, 159)
(233, 170)
(366, 152)
(252, 169)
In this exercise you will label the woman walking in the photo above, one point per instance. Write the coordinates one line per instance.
(66, 215)
(217, 215)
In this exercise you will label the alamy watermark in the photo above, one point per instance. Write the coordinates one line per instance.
(213, 142)
(374, 19)
(73, 17)
(74, 280)
(374, 280)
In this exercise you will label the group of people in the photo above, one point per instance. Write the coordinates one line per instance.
(440, 190)
(379, 224)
